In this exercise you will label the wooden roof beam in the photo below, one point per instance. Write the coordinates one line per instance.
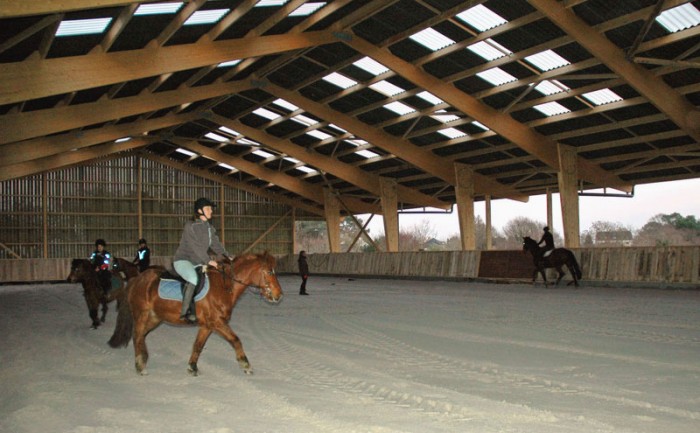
(42, 147)
(13, 9)
(404, 149)
(524, 137)
(361, 178)
(663, 96)
(55, 162)
(31, 124)
(37, 78)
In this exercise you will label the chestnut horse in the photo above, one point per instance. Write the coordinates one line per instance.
(82, 271)
(143, 309)
(559, 257)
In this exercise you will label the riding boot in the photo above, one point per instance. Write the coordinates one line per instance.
(198, 288)
(187, 299)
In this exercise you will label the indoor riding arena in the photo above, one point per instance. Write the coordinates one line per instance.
(118, 117)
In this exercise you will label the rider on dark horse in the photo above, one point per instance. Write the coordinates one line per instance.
(197, 238)
(101, 259)
(548, 241)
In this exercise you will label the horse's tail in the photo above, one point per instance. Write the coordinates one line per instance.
(124, 328)
(575, 265)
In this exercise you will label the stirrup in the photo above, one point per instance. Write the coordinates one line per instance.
(189, 318)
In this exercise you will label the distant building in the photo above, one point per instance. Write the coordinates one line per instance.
(614, 238)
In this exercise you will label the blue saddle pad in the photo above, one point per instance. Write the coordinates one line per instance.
(172, 289)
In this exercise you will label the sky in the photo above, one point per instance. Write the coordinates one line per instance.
(648, 201)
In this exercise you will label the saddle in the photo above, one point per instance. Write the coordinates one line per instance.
(172, 286)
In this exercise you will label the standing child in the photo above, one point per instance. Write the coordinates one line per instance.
(303, 272)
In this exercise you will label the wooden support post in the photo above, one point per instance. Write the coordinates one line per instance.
(568, 193)
(331, 209)
(45, 213)
(390, 210)
(550, 210)
(489, 230)
(464, 192)
(139, 194)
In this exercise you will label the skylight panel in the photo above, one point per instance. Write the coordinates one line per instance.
(157, 8)
(429, 97)
(551, 109)
(432, 39)
(228, 130)
(264, 112)
(122, 140)
(367, 154)
(370, 65)
(284, 104)
(319, 134)
(227, 167)
(269, 3)
(206, 17)
(356, 142)
(185, 152)
(217, 137)
(399, 108)
(305, 169)
(480, 125)
(339, 80)
(304, 120)
(386, 88)
(248, 141)
(552, 87)
(83, 27)
(444, 117)
(229, 63)
(452, 133)
(481, 18)
(262, 153)
(602, 97)
(496, 76)
(307, 9)
(333, 125)
(679, 18)
(547, 60)
(489, 49)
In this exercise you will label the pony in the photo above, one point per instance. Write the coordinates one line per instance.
(558, 258)
(143, 309)
(124, 266)
(82, 271)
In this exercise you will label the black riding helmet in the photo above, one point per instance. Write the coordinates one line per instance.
(100, 242)
(200, 203)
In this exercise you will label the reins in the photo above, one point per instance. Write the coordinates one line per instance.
(249, 286)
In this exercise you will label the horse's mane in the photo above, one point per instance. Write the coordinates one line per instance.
(265, 258)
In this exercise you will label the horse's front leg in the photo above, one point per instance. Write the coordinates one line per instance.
(202, 337)
(93, 304)
(225, 331)
(104, 310)
(561, 275)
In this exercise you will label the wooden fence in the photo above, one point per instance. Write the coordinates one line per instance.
(658, 266)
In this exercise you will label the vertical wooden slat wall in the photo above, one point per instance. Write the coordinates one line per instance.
(60, 214)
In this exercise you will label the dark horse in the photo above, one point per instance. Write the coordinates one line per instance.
(127, 268)
(558, 258)
(143, 309)
(82, 271)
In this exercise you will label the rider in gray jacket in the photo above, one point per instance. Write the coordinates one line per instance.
(198, 237)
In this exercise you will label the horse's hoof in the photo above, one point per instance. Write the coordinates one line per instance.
(193, 370)
(248, 371)
(143, 372)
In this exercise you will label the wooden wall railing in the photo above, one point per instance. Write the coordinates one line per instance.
(667, 265)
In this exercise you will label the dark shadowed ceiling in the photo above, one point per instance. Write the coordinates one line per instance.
(286, 98)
